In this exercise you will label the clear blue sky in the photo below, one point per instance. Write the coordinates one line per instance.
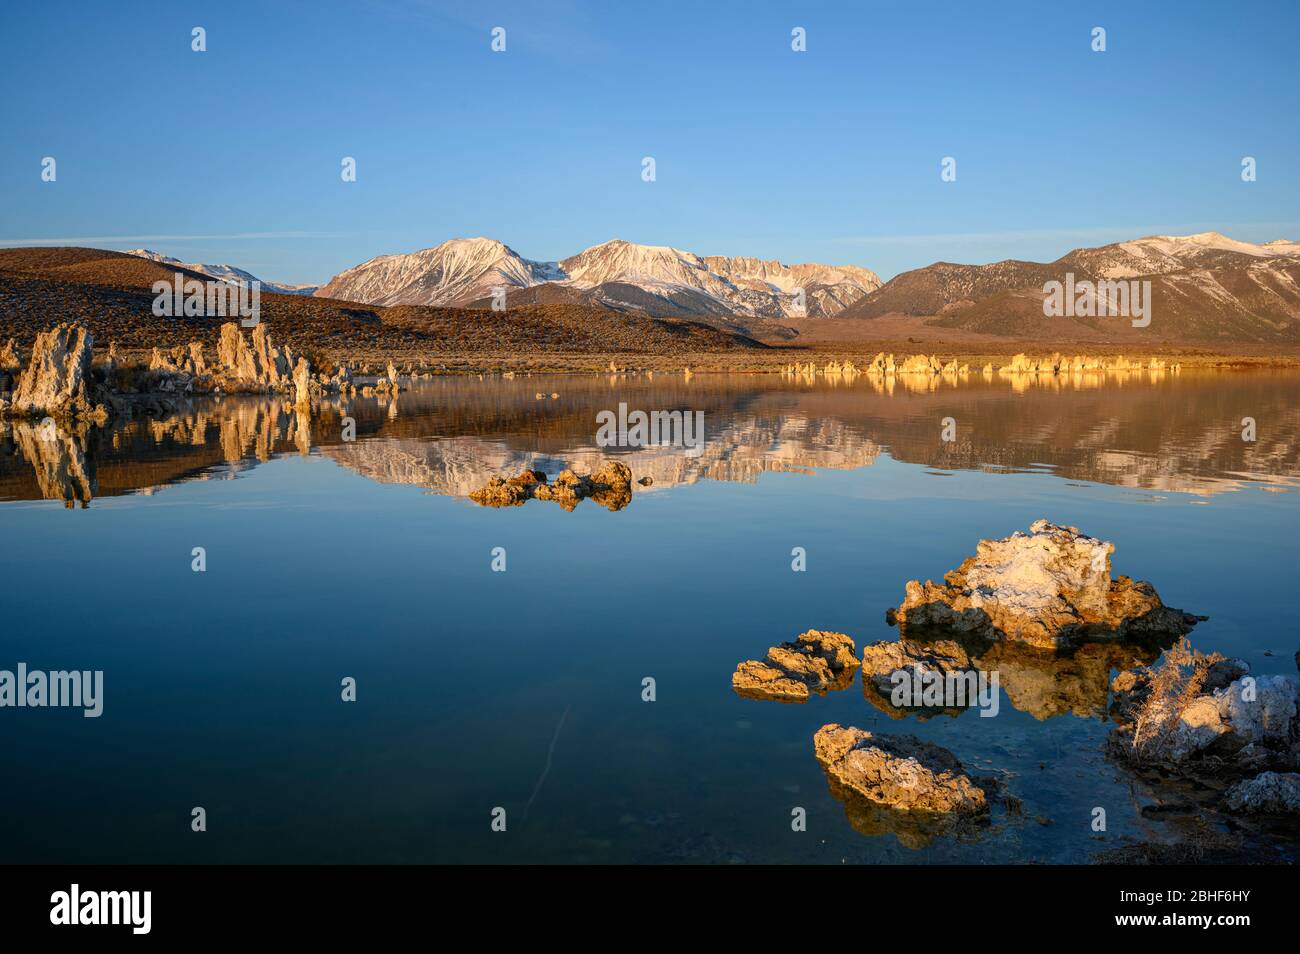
(830, 155)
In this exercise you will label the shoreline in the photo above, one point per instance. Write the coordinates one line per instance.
(774, 360)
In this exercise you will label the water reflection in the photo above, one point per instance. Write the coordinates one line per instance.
(1150, 430)
(1042, 683)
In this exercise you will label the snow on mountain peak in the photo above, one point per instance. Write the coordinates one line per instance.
(667, 280)
(459, 271)
(223, 273)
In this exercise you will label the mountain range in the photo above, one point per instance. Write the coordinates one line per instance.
(656, 279)
(1205, 288)
(223, 273)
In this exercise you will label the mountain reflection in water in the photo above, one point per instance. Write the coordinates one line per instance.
(1168, 433)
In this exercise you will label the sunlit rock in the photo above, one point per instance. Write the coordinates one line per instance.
(1200, 714)
(9, 357)
(900, 784)
(57, 381)
(610, 485)
(815, 662)
(302, 384)
(1049, 588)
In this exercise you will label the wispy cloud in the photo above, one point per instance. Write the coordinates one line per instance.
(1107, 234)
(119, 239)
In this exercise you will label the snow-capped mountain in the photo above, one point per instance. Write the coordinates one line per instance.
(1162, 254)
(1204, 287)
(654, 278)
(456, 272)
(224, 273)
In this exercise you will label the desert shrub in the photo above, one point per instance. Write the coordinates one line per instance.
(1174, 682)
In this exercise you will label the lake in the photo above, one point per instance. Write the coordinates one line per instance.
(327, 559)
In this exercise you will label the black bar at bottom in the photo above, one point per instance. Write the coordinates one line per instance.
(332, 903)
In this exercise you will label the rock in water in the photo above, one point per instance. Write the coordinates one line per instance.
(901, 771)
(900, 784)
(57, 380)
(815, 661)
(302, 383)
(610, 486)
(1268, 793)
(1049, 588)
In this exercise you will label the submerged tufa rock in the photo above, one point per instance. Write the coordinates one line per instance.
(816, 661)
(1049, 588)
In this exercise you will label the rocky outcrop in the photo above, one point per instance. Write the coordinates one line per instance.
(9, 357)
(1197, 715)
(179, 369)
(1048, 588)
(1131, 689)
(900, 784)
(254, 366)
(182, 359)
(885, 365)
(302, 384)
(881, 660)
(815, 662)
(610, 486)
(1272, 793)
(390, 383)
(58, 380)
(340, 380)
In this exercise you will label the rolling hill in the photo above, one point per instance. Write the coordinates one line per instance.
(1205, 288)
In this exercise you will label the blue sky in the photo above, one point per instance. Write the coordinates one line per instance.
(831, 155)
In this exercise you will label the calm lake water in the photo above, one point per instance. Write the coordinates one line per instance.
(523, 689)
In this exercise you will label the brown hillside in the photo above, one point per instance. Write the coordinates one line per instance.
(92, 266)
(111, 293)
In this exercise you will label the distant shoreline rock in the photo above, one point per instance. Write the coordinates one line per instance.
(888, 365)
(610, 486)
(61, 380)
